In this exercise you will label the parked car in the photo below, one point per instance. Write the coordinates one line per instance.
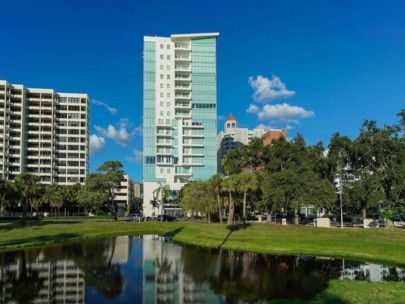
(134, 217)
(166, 218)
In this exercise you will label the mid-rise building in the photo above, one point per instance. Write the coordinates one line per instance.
(44, 133)
(180, 112)
(124, 196)
(138, 190)
(233, 137)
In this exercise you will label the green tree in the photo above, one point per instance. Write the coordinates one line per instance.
(56, 198)
(7, 194)
(198, 198)
(247, 182)
(231, 183)
(216, 182)
(231, 162)
(113, 174)
(28, 187)
(69, 194)
(93, 196)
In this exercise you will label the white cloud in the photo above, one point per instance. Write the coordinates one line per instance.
(221, 117)
(252, 109)
(97, 144)
(266, 89)
(120, 135)
(264, 127)
(112, 110)
(137, 157)
(283, 112)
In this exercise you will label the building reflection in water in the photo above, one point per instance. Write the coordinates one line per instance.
(164, 280)
(371, 272)
(152, 269)
(43, 281)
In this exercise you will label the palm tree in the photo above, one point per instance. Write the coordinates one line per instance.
(247, 181)
(162, 191)
(216, 182)
(69, 193)
(56, 197)
(230, 184)
(28, 188)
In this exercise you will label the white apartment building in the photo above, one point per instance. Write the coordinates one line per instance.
(44, 133)
(180, 112)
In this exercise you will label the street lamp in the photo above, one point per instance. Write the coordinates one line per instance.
(341, 207)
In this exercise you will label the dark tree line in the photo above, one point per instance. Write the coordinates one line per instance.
(25, 193)
(290, 174)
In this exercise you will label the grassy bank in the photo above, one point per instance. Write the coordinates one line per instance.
(379, 245)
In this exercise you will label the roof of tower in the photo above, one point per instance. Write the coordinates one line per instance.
(231, 117)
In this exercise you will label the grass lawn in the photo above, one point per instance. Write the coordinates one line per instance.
(378, 245)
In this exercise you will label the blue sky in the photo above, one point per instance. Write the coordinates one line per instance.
(316, 67)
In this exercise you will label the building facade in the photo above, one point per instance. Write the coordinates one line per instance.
(180, 112)
(124, 196)
(44, 133)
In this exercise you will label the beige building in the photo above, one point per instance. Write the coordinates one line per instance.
(138, 190)
(124, 196)
(44, 133)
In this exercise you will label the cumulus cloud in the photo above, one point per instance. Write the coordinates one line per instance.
(252, 109)
(266, 89)
(283, 112)
(112, 110)
(97, 144)
(120, 133)
(137, 157)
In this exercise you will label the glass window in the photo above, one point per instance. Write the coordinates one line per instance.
(168, 170)
(168, 86)
(161, 170)
(161, 85)
(161, 46)
(161, 56)
(168, 57)
(168, 67)
(161, 103)
(168, 46)
(161, 113)
(161, 67)
(168, 76)
(161, 76)
(161, 94)
(168, 95)
(168, 113)
(167, 121)
(168, 104)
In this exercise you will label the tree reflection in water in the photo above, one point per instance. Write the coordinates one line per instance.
(168, 273)
(250, 277)
(21, 283)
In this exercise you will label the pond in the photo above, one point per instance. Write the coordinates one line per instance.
(152, 269)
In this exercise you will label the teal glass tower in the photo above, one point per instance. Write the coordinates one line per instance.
(180, 113)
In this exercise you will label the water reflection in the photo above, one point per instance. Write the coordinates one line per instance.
(152, 269)
(371, 272)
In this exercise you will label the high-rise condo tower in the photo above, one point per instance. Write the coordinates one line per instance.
(180, 113)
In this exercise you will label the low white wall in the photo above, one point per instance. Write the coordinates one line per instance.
(323, 222)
